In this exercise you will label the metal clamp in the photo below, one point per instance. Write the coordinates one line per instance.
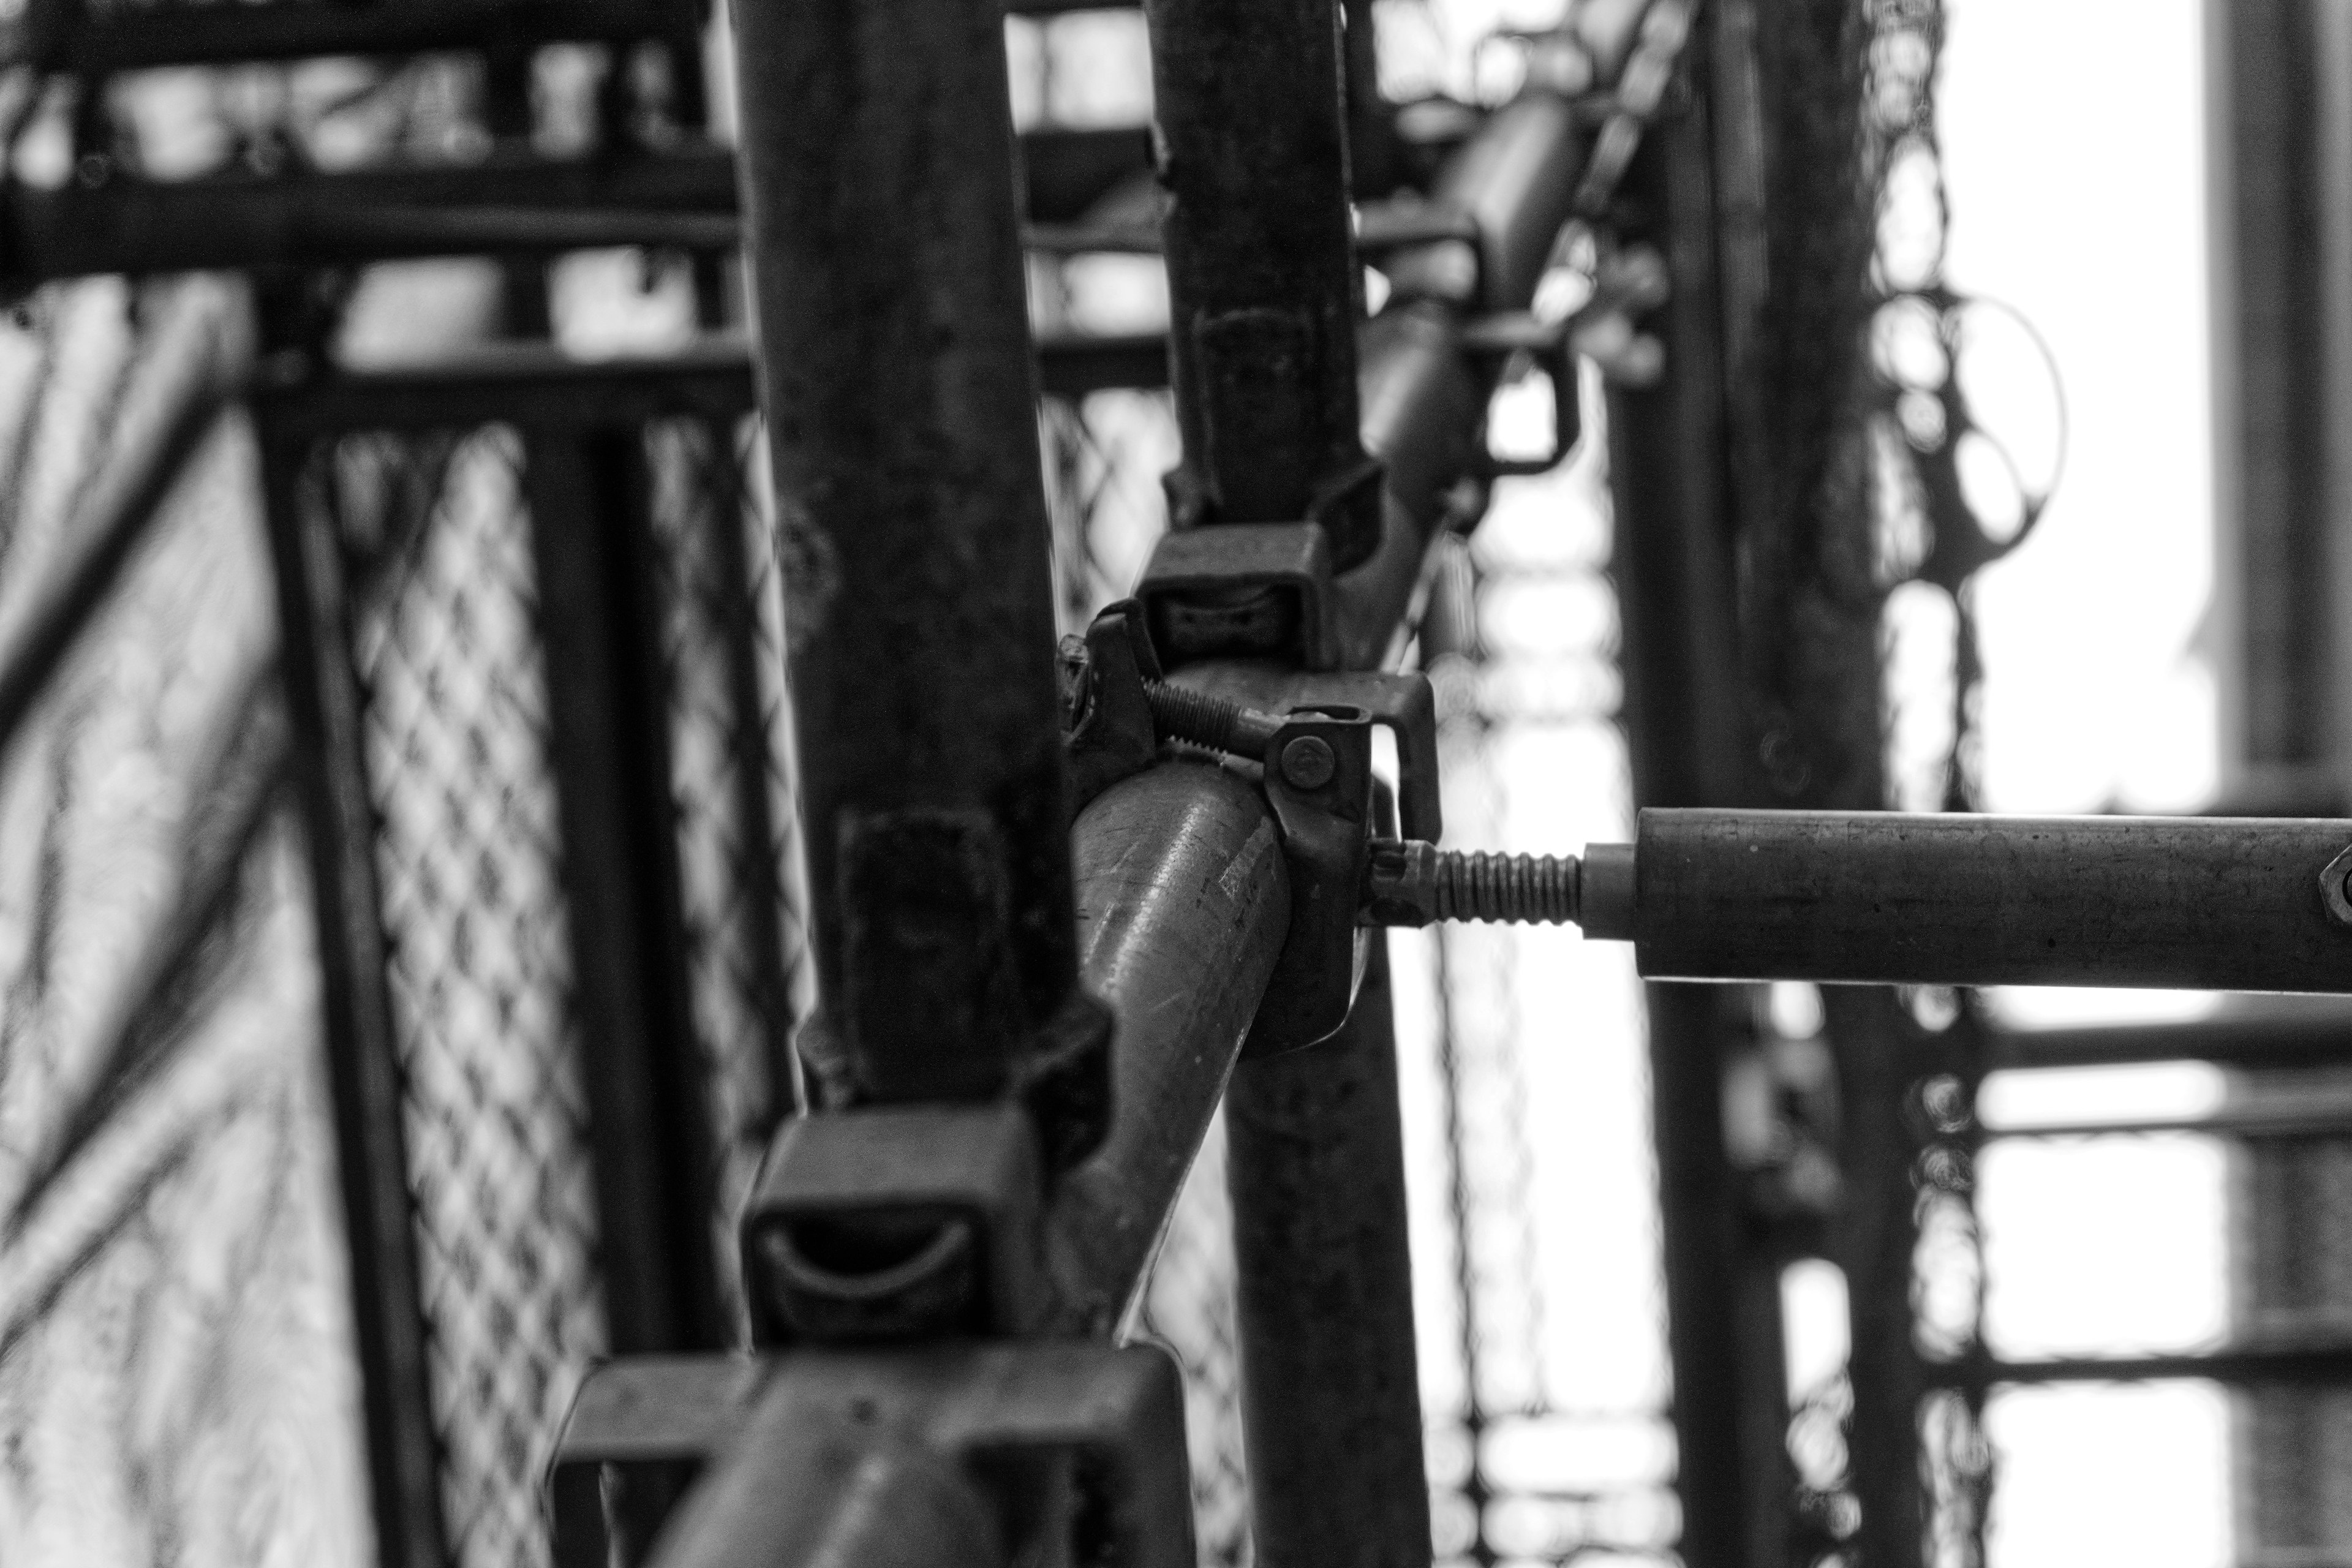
(984, 1454)
(1246, 589)
(1107, 731)
(1404, 705)
(893, 1222)
(1548, 345)
(1319, 779)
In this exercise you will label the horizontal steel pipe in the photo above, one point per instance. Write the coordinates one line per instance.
(683, 197)
(104, 43)
(1183, 901)
(2314, 1037)
(2208, 903)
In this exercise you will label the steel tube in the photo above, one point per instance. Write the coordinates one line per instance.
(899, 387)
(1264, 295)
(1183, 899)
(1423, 399)
(2210, 903)
(1330, 1395)
(2317, 1037)
(684, 197)
(1685, 730)
(805, 1485)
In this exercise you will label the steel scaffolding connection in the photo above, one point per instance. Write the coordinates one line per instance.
(740, 927)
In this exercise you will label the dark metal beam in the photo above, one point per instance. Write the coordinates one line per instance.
(103, 43)
(2305, 1039)
(1266, 298)
(1331, 1389)
(1685, 719)
(608, 744)
(325, 702)
(511, 201)
(2315, 1361)
(1262, 278)
(900, 388)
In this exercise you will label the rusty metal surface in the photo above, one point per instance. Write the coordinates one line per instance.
(2216, 903)
(1316, 1161)
(1182, 902)
(1264, 292)
(899, 389)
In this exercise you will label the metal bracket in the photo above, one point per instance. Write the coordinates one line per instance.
(1080, 1446)
(1107, 731)
(1404, 705)
(1319, 779)
(1246, 589)
(1508, 334)
(893, 1222)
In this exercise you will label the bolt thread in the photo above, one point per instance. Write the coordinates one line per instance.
(1186, 715)
(1539, 889)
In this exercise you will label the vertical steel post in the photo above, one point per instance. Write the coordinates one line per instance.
(1262, 278)
(1330, 1391)
(900, 393)
(609, 746)
(330, 767)
(1266, 295)
(1670, 462)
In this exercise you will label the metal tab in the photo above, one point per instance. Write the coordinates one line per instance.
(1072, 1452)
(1243, 589)
(891, 1222)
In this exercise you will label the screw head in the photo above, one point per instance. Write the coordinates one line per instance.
(1307, 762)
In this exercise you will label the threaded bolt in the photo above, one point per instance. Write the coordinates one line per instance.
(1183, 714)
(1412, 883)
(1527, 888)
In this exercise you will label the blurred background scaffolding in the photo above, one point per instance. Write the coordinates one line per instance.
(1722, 1274)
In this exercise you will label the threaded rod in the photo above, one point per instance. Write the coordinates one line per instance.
(1180, 713)
(1526, 889)
(1412, 883)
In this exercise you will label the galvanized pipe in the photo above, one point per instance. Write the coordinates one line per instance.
(899, 387)
(1183, 899)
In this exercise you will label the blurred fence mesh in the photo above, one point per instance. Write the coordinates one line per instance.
(456, 711)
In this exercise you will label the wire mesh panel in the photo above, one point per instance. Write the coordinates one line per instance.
(455, 695)
(509, 1168)
(722, 645)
